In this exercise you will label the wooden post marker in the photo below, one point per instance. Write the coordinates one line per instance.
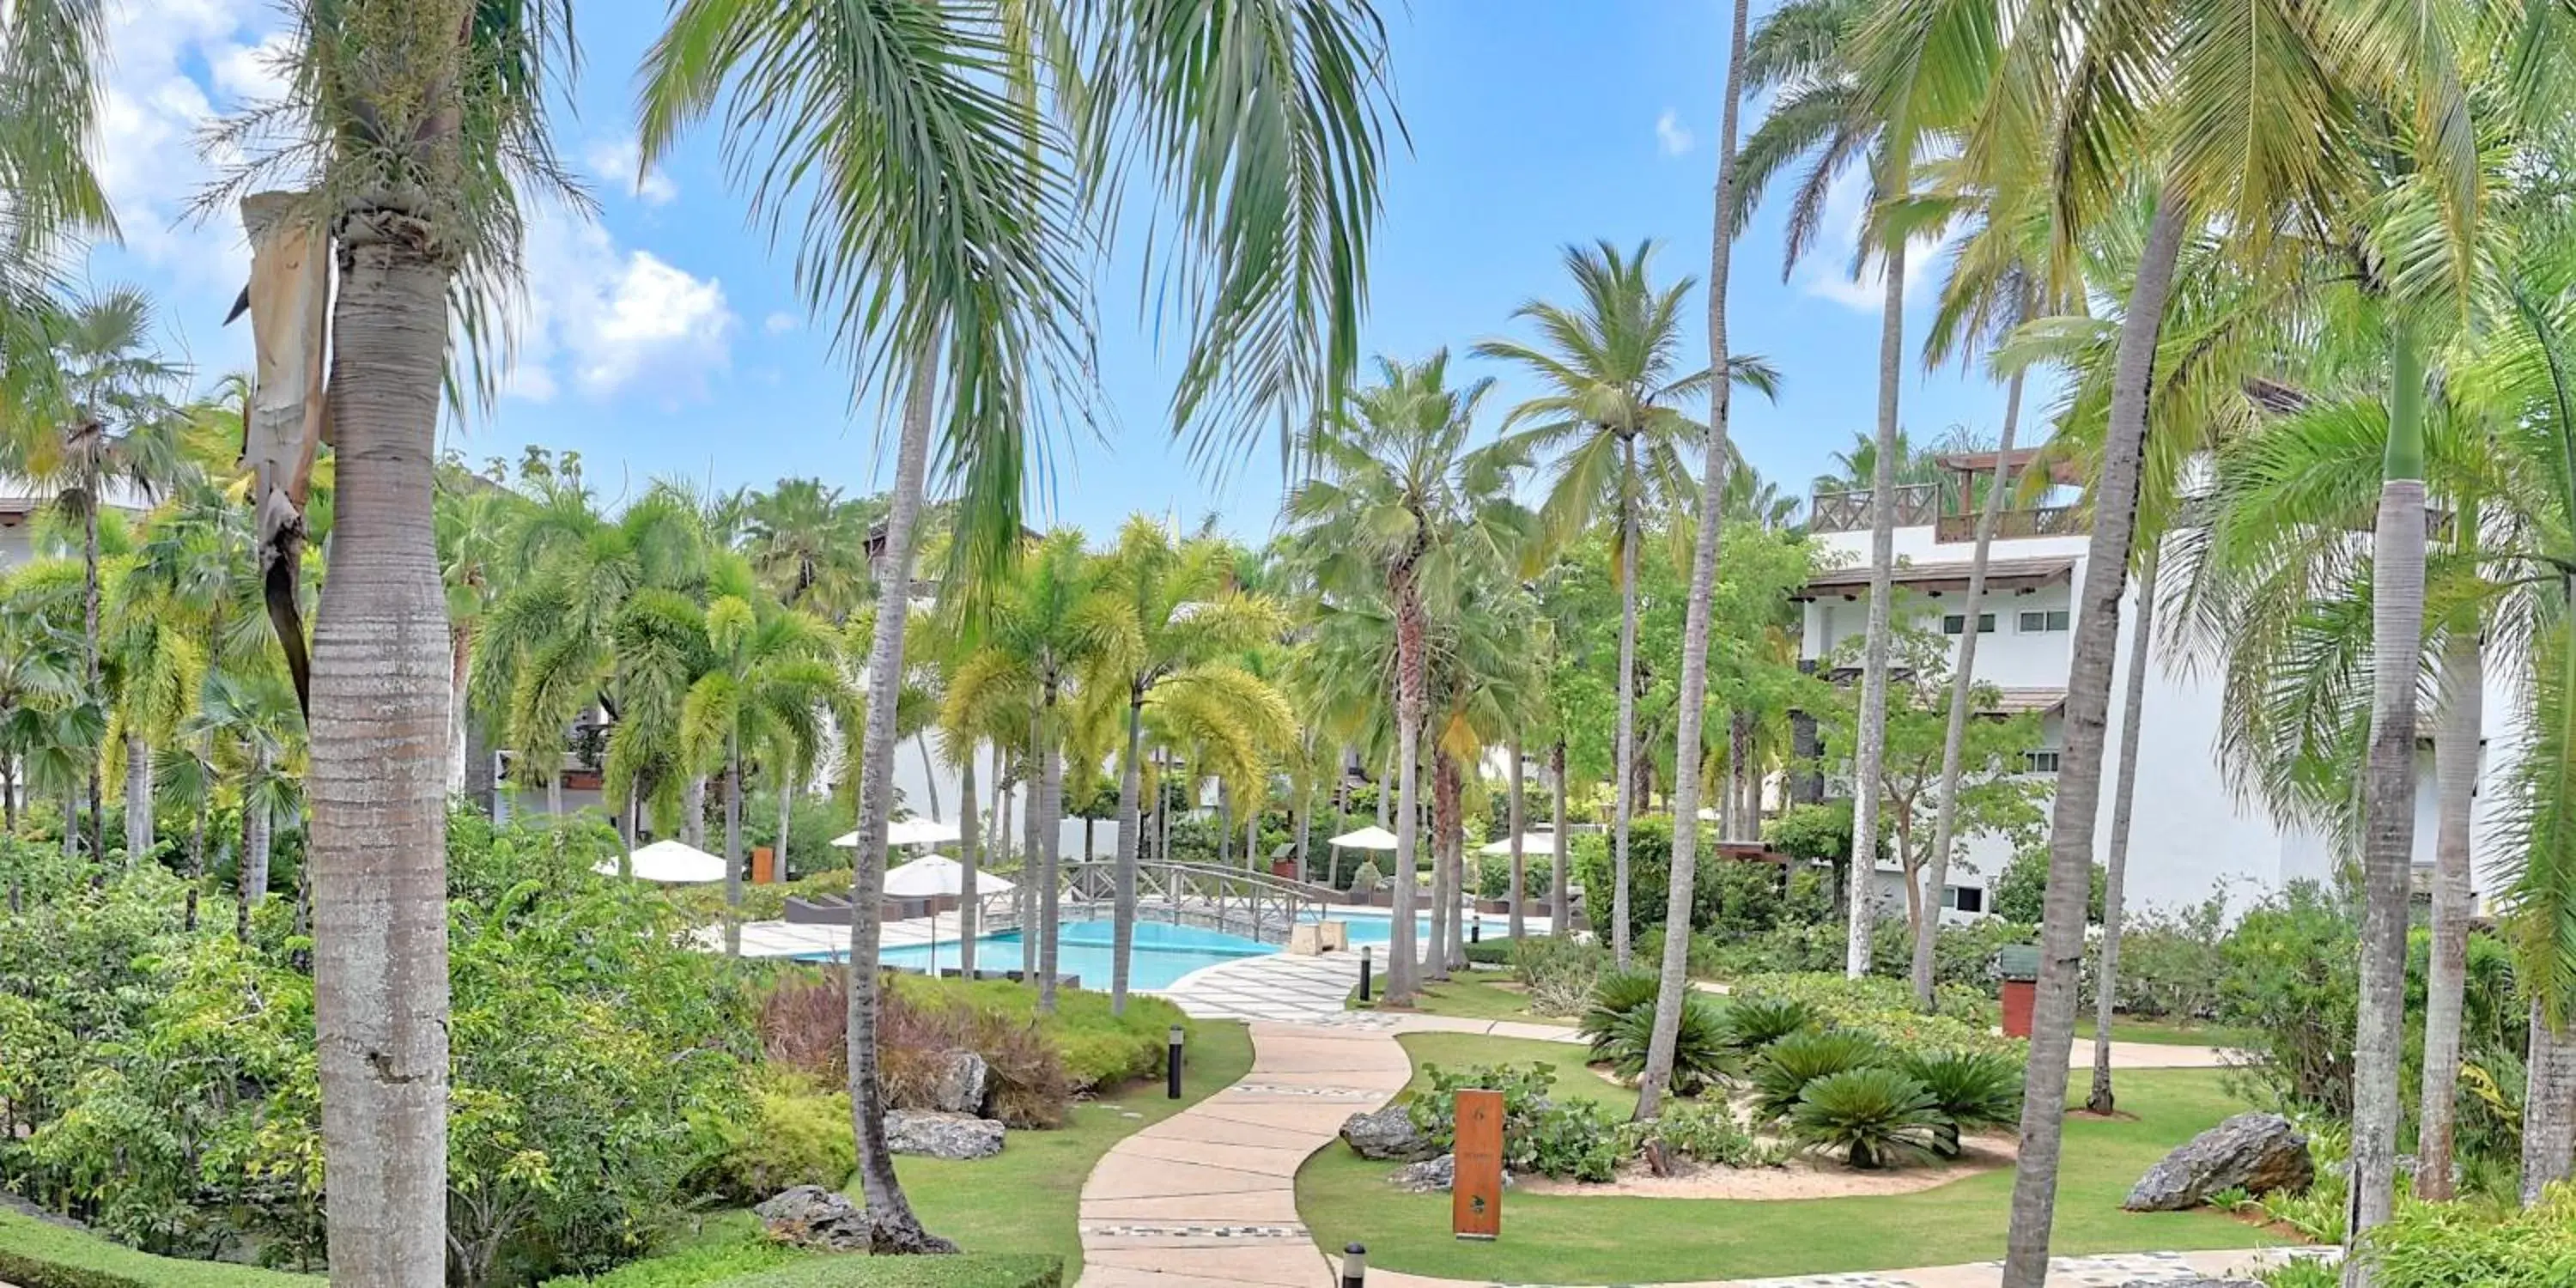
(1476, 1183)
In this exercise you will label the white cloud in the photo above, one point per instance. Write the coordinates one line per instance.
(1825, 272)
(778, 323)
(609, 321)
(152, 106)
(614, 163)
(1670, 132)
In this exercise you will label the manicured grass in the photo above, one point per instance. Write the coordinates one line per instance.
(1573, 1080)
(1473, 997)
(2160, 1032)
(1028, 1197)
(38, 1254)
(1635, 1240)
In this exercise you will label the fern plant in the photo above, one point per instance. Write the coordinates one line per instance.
(1800, 1058)
(1870, 1116)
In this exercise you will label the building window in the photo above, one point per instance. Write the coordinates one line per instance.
(2037, 621)
(1964, 898)
(2039, 762)
(1957, 624)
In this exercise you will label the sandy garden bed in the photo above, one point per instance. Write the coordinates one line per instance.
(1800, 1178)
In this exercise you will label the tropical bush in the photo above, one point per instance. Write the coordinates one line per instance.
(1575, 1139)
(1617, 995)
(1559, 972)
(1729, 899)
(1752, 1023)
(1701, 1054)
(1884, 1010)
(1871, 1116)
(1703, 1132)
(2442, 1245)
(1785, 1069)
(713, 1261)
(2021, 890)
(789, 1132)
(2171, 961)
(1038, 1061)
(1969, 1089)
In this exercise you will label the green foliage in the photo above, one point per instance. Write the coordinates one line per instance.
(711, 1262)
(1098, 1049)
(1734, 897)
(1884, 1010)
(794, 1133)
(1701, 1054)
(1753, 1023)
(1871, 1116)
(1820, 833)
(2021, 892)
(2442, 1245)
(1619, 994)
(1969, 1089)
(1367, 879)
(2289, 978)
(2304, 1272)
(1559, 972)
(2171, 961)
(1575, 1138)
(1704, 1132)
(1785, 1069)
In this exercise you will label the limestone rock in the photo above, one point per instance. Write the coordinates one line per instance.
(813, 1217)
(1431, 1175)
(964, 1084)
(2257, 1153)
(1387, 1136)
(911, 1131)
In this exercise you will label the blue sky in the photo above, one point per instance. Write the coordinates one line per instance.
(664, 337)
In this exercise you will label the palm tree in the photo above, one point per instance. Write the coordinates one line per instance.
(809, 546)
(115, 424)
(1823, 108)
(1610, 370)
(770, 681)
(1177, 625)
(50, 51)
(473, 525)
(1673, 989)
(940, 211)
(1393, 502)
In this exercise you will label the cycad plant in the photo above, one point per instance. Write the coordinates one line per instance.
(1872, 1117)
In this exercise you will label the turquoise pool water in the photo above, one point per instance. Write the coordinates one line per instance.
(1164, 952)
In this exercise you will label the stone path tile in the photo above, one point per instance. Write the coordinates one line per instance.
(2113, 1270)
(1278, 987)
(2157, 1055)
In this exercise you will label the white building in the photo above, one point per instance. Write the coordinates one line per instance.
(2190, 835)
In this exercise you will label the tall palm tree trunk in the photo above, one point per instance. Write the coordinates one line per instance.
(893, 1226)
(1672, 990)
(1560, 909)
(2455, 772)
(929, 772)
(786, 817)
(1870, 746)
(1963, 679)
(138, 798)
(2079, 778)
(1131, 838)
(377, 861)
(89, 649)
(1520, 862)
(2548, 1105)
(733, 844)
(460, 651)
(1046, 807)
(1444, 896)
(256, 830)
(1625, 800)
(693, 811)
(970, 906)
(1305, 833)
(2115, 882)
(2388, 801)
(1410, 680)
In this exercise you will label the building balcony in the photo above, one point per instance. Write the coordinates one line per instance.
(1950, 506)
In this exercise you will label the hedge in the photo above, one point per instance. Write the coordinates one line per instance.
(40, 1254)
(985, 1270)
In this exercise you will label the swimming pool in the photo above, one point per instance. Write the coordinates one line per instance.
(1163, 953)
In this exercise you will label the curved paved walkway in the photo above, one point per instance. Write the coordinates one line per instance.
(1208, 1197)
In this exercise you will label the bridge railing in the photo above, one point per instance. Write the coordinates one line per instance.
(1253, 904)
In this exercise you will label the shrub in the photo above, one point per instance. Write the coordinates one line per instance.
(1884, 1008)
(2430, 1245)
(1613, 999)
(1700, 1053)
(36, 1254)
(2290, 979)
(795, 1133)
(1753, 1023)
(1800, 1058)
(1367, 879)
(1970, 1090)
(968, 1270)
(917, 1030)
(711, 1262)
(1872, 1117)
(2021, 891)
(2170, 961)
(1705, 1133)
(1559, 972)
(1577, 1140)
(1524, 1088)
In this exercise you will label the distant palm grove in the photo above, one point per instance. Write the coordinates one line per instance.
(2283, 297)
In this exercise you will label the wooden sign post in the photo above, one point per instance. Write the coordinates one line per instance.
(1476, 1183)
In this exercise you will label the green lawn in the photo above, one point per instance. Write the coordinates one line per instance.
(1634, 1240)
(1028, 1197)
(2160, 1032)
(1474, 998)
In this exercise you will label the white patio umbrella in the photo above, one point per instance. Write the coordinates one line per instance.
(909, 831)
(1371, 837)
(936, 875)
(1531, 843)
(668, 862)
